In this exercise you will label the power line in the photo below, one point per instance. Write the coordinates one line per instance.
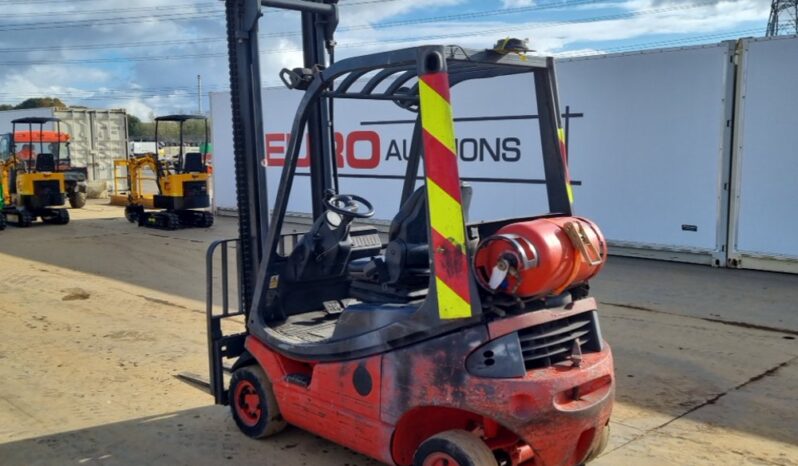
(431, 19)
(114, 10)
(105, 21)
(501, 30)
(212, 8)
(643, 46)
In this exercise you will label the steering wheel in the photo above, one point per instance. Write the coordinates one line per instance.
(350, 205)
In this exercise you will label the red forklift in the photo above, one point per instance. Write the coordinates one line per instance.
(451, 344)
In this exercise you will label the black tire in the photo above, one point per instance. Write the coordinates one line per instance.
(24, 219)
(601, 446)
(132, 213)
(58, 217)
(207, 220)
(77, 200)
(455, 448)
(2, 221)
(62, 217)
(253, 404)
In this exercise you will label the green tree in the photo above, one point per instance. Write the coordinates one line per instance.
(4, 107)
(134, 127)
(39, 102)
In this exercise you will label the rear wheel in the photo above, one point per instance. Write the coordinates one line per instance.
(454, 448)
(253, 404)
(2, 221)
(77, 200)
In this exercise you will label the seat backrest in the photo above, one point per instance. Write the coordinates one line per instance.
(410, 223)
(45, 162)
(192, 162)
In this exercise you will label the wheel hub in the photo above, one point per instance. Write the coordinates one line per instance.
(440, 459)
(247, 403)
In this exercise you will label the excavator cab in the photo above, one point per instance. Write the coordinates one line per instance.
(32, 173)
(182, 180)
(450, 343)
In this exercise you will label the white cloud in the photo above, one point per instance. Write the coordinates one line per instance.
(517, 3)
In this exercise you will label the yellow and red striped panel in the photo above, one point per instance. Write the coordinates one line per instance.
(448, 244)
(564, 152)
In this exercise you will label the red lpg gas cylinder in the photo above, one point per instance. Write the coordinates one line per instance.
(540, 257)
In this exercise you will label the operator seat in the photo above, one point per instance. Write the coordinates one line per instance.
(45, 163)
(403, 271)
(192, 162)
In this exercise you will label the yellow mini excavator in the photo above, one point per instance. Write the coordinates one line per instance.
(182, 183)
(32, 177)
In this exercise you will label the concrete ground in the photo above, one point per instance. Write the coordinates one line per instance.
(97, 318)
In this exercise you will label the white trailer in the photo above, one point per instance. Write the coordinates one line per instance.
(98, 137)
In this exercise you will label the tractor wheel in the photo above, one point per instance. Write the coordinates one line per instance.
(2, 221)
(454, 448)
(77, 200)
(253, 404)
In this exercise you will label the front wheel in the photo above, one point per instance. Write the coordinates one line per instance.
(454, 448)
(253, 404)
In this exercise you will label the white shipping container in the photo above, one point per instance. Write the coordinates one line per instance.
(98, 137)
(765, 194)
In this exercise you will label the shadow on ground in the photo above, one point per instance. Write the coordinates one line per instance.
(192, 437)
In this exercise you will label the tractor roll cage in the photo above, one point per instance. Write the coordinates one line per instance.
(181, 120)
(30, 164)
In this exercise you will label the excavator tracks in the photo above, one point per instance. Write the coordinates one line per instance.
(169, 220)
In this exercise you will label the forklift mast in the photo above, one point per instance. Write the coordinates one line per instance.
(319, 20)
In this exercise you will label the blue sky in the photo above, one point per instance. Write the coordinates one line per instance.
(145, 55)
